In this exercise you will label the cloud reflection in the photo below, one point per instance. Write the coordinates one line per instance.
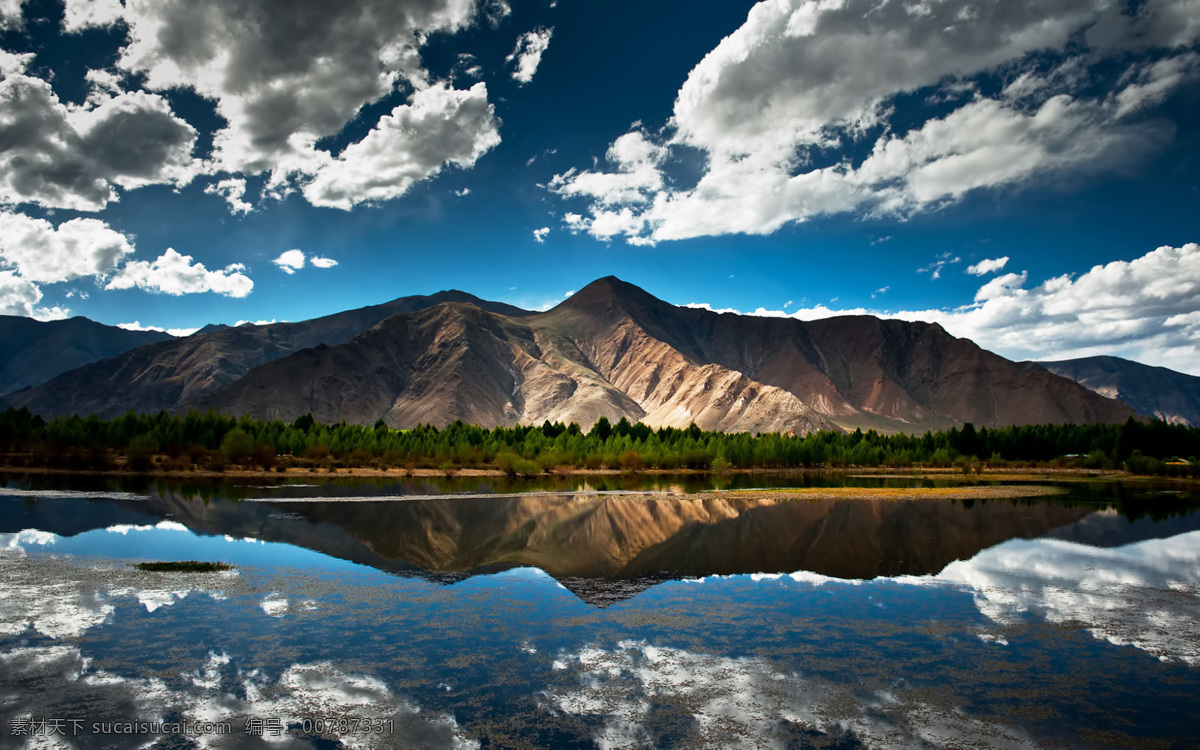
(1145, 595)
(653, 696)
(220, 691)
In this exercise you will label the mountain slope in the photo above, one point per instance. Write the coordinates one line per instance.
(172, 374)
(613, 350)
(1152, 391)
(33, 351)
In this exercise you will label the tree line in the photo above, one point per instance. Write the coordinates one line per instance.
(214, 441)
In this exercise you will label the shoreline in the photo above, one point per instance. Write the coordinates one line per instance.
(855, 472)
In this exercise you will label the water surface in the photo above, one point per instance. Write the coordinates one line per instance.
(584, 620)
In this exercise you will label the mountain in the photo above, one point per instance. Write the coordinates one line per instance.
(173, 374)
(614, 350)
(33, 351)
(1152, 391)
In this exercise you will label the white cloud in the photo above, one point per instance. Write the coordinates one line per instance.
(987, 265)
(441, 126)
(801, 80)
(42, 253)
(540, 234)
(18, 295)
(10, 12)
(176, 274)
(177, 332)
(291, 74)
(12, 64)
(73, 157)
(1139, 309)
(528, 54)
(1152, 83)
(232, 190)
(637, 179)
(81, 14)
(1144, 309)
(290, 261)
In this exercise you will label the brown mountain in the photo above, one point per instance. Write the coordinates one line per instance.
(33, 351)
(1152, 391)
(173, 374)
(613, 350)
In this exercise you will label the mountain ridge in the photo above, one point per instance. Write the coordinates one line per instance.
(34, 351)
(614, 350)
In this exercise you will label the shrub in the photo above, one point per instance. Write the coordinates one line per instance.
(631, 460)
(238, 446)
(139, 456)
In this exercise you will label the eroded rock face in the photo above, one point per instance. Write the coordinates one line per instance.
(613, 350)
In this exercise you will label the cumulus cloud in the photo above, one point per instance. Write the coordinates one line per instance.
(18, 296)
(987, 265)
(528, 54)
(441, 126)
(1144, 309)
(803, 83)
(74, 157)
(320, 262)
(636, 179)
(176, 274)
(42, 253)
(290, 261)
(540, 234)
(284, 76)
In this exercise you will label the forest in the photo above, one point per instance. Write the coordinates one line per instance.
(210, 441)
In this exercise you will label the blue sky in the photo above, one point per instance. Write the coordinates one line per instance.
(1024, 173)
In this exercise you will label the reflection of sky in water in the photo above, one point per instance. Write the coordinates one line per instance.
(1026, 643)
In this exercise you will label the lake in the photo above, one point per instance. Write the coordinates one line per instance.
(596, 612)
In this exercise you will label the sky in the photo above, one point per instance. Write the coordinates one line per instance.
(1023, 172)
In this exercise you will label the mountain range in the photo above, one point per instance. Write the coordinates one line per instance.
(610, 350)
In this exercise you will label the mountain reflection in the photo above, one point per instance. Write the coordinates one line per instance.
(603, 538)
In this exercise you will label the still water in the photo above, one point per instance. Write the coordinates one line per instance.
(577, 618)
